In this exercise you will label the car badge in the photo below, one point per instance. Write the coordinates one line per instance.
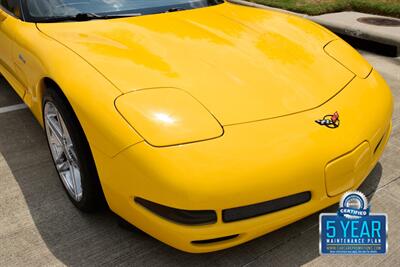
(330, 121)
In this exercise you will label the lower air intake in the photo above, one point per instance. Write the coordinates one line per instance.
(250, 211)
(214, 240)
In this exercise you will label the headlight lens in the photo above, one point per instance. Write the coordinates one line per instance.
(348, 57)
(168, 116)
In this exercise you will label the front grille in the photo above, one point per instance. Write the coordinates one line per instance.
(250, 211)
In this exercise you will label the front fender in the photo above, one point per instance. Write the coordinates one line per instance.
(90, 94)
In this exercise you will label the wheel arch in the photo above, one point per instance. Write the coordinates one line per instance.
(49, 84)
(92, 102)
(45, 83)
(51, 92)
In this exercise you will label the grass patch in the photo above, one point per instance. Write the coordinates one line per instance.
(316, 7)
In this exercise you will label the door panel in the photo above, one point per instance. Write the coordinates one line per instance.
(8, 25)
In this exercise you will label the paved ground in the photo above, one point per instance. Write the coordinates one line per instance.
(346, 23)
(39, 226)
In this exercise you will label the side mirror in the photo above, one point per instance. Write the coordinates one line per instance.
(3, 15)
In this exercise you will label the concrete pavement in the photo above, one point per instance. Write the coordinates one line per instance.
(40, 227)
(347, 23)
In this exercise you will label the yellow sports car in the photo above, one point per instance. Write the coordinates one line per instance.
(204, 123)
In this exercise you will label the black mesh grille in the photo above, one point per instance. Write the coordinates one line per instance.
(245, 212)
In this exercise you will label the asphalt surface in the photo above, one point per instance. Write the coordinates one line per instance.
(39, 226)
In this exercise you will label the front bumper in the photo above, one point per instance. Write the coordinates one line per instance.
(252, 163)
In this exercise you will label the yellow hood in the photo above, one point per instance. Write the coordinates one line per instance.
(243, 64)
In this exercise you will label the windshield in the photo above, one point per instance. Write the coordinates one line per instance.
(38, 10)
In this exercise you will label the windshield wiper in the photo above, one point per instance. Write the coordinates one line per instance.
(174, 9)
(86, 17)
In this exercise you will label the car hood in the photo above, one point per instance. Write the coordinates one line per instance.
(243, 64)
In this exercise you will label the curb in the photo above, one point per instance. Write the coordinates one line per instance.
(354, 30)
(251, 4)
(361, 31)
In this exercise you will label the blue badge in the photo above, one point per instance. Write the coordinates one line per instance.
(353, 229)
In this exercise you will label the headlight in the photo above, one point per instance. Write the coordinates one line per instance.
(168, 116)
(348, 57)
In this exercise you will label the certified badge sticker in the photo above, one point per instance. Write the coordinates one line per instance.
(353, 229)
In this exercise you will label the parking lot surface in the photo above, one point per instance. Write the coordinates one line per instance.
(39, 226)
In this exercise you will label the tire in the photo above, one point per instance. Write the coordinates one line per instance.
(72, 156)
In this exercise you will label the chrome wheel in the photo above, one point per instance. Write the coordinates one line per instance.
(63, 151)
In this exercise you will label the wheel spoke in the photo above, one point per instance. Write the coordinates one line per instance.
(63, 166)
(56, 150)
(72, 155)
(75, 178)
(59, 155)
(55, 130)
(63, 128)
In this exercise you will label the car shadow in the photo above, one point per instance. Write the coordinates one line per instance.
(76, 238)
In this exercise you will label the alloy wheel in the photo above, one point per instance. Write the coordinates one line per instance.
(63, 151)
